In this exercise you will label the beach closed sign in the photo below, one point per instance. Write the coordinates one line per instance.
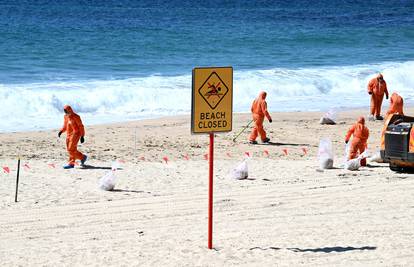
(212, 100)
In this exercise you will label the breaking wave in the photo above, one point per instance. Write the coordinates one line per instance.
(35, 106)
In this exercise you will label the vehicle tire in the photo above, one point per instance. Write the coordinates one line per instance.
(394, 167)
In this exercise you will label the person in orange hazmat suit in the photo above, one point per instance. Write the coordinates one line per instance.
(259, 112)
(359, 141)
(376, 88)
(75, 132)
(396, 105)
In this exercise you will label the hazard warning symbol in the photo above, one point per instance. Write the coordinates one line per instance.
(213, 90)
(212, 100)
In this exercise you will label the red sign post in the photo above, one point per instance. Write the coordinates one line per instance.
(210, 192)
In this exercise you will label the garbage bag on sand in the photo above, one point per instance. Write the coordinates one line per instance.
(371, 118)
(355, 164)
(347, 148)
(376, 158)
(325, 153)
(107, 182)
(241, 171)
(328, 118)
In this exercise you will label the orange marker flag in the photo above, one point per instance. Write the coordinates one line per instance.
(266, 152)
(285, 151)
(305, 150)
(186, 157)
(247, 154)
(51, 165)
(6, 169)
(165, 159)
(142, 158)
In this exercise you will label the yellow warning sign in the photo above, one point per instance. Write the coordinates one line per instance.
(212, 100)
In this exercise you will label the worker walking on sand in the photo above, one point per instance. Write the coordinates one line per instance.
(259, 112)
(396, 105)
(75, 131)
(359, 141)
(376, 88)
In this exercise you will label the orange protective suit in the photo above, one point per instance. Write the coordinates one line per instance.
(259, 111)
(359, 141)
(376, 88)
(387, 120)
(396, 104)
(74, 129)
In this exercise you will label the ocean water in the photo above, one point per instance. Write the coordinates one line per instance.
(125, 60)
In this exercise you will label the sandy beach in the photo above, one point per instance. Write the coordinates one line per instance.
(288, 213)
(134, 71)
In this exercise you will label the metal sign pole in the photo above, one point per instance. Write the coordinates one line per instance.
(17, 180)
(210, 193)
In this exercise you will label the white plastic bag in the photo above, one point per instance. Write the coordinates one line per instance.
(347, 148)
(376, 158)
(371, 118)
(325, 153)
(355, 164)
(328, 118)
(107, 182)
(241, 171)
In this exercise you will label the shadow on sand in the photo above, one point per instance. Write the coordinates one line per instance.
(331, 249)
(268, 248)
(91, 167)
(280, 144)
(315, 250)
(376, 166)
(128, 191)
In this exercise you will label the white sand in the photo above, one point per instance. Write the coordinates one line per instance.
(287, 213)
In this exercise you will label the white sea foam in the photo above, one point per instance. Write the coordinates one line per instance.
(39, 105)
